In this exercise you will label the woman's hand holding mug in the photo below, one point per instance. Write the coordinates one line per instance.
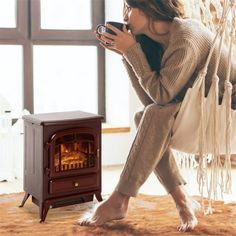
(115, 36)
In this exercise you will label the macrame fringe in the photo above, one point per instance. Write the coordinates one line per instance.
(185, 160)
(217, 177)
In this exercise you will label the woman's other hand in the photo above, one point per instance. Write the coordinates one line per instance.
(104, 44)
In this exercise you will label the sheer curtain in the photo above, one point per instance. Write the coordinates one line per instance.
(11, 153)
(11, 144)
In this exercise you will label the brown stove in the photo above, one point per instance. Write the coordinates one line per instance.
(62, 159)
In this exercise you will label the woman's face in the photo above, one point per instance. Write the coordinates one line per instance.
(136, 20)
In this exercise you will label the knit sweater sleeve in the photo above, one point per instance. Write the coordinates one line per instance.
(178, 66)
(142, 95)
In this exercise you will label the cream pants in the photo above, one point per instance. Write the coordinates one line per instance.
(150, 151)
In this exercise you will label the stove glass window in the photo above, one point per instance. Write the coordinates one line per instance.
(74, 151)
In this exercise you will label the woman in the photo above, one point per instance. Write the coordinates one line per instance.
(185, 44)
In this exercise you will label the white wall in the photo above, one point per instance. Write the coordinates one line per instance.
(121, 101)
(115, 147)
(117, 88)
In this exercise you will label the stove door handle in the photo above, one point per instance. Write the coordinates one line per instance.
(48, 171)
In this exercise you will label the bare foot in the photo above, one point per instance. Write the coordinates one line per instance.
(187, 214)
(114, 208)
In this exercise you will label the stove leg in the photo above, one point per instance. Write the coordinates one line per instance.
(43, 210)
(24, 199)
(99, 196)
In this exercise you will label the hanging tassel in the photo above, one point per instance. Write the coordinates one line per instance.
(202, 178)
(227, 164)
(228, 94)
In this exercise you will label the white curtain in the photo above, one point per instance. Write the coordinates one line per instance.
(11, 153)
(11, 143)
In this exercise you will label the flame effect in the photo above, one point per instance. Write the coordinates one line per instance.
(74, 155)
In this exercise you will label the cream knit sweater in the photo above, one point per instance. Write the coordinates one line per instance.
(185, 54)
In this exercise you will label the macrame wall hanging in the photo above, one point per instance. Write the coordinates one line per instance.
(209, 12)
(210, 134)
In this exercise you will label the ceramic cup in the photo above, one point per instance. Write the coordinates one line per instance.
(102, 27)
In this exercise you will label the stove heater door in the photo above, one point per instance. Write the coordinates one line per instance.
(74, 151)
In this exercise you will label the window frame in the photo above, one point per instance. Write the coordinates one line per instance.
(77, 35)
(28, 33)
(21, 23)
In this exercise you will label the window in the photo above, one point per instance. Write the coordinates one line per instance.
(11, 76)
(62, 68)
(50, 58)
(7, 14)
(76, 14)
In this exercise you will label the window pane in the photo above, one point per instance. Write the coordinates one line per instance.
(66, 14)
(7, 14)
(11, 77)
(65, 78)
